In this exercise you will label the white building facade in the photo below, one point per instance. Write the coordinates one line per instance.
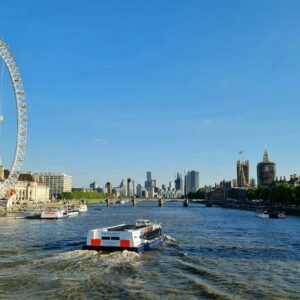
(31, 191)
(58, 183)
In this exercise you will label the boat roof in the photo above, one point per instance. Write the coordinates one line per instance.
(125, 227)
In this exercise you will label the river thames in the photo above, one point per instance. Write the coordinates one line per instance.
(212, 253)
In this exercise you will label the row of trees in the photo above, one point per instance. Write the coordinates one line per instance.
(200, 194)
(279, 193)
(86, 195)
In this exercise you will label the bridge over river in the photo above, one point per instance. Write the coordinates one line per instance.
(160, 201)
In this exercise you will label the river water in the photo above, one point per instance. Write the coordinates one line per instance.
(212, 253)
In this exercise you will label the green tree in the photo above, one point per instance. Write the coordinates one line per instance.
(297, 195)
(281, 193)
(86, 195)
(200, 194)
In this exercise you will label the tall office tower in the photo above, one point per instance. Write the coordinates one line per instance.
(58, 183)
(266, 171)
(191, 182)
(130, 187)
(149, 177)
(123, 188)
(179, 183)
(148, 182)
(242, 168)
(139, 190)
(108, 187)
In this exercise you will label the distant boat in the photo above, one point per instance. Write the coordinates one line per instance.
(263, 214)
(277, 214)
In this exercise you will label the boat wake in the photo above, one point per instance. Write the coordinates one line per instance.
(170, 240)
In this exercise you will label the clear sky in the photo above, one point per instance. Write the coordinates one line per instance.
(117, 88)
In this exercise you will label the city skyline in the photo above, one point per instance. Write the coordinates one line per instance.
(166, 90)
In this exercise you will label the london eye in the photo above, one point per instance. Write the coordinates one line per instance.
(7, 59)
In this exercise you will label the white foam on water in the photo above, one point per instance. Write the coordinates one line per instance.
(170, 240)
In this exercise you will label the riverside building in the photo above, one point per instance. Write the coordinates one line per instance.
(179, 184)
(130, 187)
(148, 182)
(58, 183)
(191, 182)
(29, 188)
(108, 187)
(266, 171)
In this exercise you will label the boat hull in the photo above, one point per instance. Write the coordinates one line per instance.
(83, 208)
(141, 248)
(263, 216)
(72, 213)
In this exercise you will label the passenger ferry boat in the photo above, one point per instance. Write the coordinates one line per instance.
(53, 213)
(144, 235)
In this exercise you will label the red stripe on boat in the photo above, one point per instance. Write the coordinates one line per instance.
(124, 243)
(95, 242)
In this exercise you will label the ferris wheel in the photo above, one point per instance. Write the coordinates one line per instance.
(21, 140)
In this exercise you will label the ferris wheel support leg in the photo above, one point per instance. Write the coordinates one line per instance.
(10, 201)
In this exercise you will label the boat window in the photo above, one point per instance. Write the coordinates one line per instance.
(113, 238)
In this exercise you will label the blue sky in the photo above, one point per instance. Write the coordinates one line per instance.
(117, 88)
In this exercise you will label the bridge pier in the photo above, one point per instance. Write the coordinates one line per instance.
(186, 203)
(160, 202)
(133, 202)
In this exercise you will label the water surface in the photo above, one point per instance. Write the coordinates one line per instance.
(213, 253)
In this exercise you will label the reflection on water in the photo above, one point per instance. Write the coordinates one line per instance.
(211, 253)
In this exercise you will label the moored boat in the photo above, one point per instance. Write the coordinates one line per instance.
(263, 214)
(277, 214)
(71, 210)
(139, 237)
(82, 208)
(71, 213)
(33, 216)
(53, 213)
